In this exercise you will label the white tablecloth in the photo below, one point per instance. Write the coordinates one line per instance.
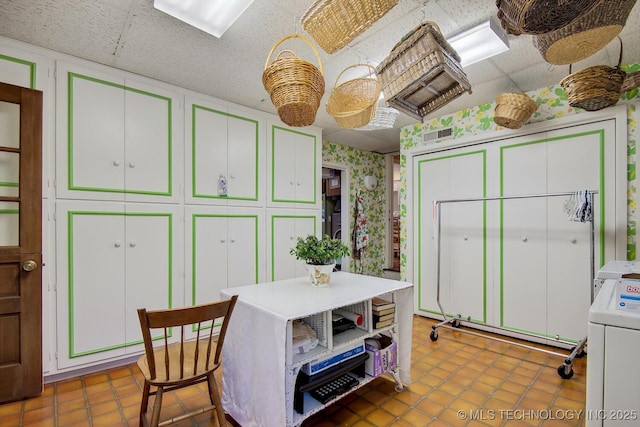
(254, 359)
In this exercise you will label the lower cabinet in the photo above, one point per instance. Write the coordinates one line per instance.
(285, 226)
(223, 250)
(113, 258)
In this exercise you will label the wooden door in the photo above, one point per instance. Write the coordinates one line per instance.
(20, 242)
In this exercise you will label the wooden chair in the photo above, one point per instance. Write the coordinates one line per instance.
(185, 360)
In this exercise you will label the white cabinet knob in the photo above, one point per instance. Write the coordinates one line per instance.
(525, 238)
(222, 240)
(233, 240)
(290, 182)
(116, 163)
(298, 184)
(117, 244)
(466, 237)
(574, 240)
(132, 244)
(232, 176)
(132, 164)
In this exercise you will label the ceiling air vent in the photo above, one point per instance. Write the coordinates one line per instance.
(439, 134)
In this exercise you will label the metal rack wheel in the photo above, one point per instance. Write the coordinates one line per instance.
(434, 334)
(565, 371)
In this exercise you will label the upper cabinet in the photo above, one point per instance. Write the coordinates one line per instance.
(225, 154)
(118, 138)
(293, 166)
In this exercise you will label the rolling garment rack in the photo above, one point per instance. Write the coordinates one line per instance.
(584, 214)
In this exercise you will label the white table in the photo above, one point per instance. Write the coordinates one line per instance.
(257, 381)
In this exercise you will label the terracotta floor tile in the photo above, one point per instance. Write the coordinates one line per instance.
(457, 374)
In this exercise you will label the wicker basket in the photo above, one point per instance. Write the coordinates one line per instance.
(422, 73)
(385, 118)
(631, 81)
(513, 109)
(334, 23)
(594, 88)
(295, 86)
(586, 35)
(353, 103)
(540, 16)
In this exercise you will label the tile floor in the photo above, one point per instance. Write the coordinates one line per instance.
(458, 380)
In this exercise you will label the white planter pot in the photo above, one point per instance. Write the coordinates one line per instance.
(320, 275)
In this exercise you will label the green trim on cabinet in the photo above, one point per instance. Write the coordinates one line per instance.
(421, 214)
(315, 166)
(70, 178)
(273, 218)
(31, 65)
(195, 194)
(601, 193)
(194, 217)
(71, 278)
(9, 184)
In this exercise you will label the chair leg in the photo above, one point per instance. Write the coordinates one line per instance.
(215, 399)
(144, 404)
(157, 404)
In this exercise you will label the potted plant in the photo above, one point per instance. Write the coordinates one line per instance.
(320, 256)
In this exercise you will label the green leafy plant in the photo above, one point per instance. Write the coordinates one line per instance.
(319, 251)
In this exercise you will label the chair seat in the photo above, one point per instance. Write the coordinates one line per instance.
(174, 363)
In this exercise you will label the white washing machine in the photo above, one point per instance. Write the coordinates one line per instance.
(613, 362)
(614, 270)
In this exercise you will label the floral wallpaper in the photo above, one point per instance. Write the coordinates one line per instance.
(361, 164)
(553, 104)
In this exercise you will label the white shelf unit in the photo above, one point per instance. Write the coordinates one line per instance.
(260, 340)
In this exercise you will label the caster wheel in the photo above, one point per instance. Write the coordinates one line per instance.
(456, 324)
(433, 335)
(563, 374)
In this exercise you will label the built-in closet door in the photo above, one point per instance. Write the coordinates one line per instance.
(516, 260)
(545, 262)
(443, 176)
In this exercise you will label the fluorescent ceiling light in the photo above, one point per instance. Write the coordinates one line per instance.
(212, 16)
(480, 42)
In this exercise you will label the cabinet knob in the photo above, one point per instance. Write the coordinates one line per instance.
(132, 244)
(298, 184)
(233, 240)
(132, 164)
(117, 244)
(466, 237)
(524, 238)
(290, 182)
(574, 240)
(222, 240)
(232, 176)
(116, 163)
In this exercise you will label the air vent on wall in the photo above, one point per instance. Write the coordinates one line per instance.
(439, 134)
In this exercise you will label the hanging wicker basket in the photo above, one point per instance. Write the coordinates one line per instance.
(513, 109)
(422, 73)
(540, 16)
(334, 23)
(586, 35)
(385, 118)
(594, 88)
(353, 103)
(631, 81)
(295, 86)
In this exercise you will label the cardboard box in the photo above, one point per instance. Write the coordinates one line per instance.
(383, 359)
(628, 295)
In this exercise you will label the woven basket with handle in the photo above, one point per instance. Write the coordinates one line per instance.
(334, 23)
(513, 109)
(540, 16)
(585, 35)
(353, 103)
(295, 86)
(594, 88)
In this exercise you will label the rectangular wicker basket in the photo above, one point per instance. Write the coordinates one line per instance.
(334, 23)
(422, 73)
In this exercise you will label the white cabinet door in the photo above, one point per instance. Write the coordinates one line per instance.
(463, 281)
(285, 227)
(226, 151)
(117, 138)
(534, 261)
(223, 250)
(294, 167)
(114, 258)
